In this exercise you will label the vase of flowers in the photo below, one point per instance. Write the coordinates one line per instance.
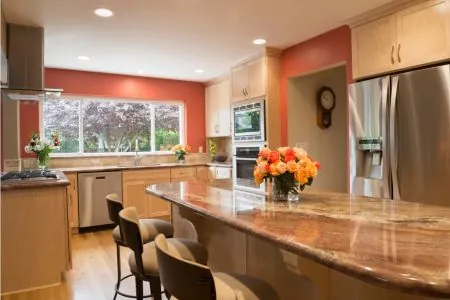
(289, 169)
(181, 151)
(42, 148)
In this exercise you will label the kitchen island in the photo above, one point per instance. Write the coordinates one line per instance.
(35, 240)
(382, 249)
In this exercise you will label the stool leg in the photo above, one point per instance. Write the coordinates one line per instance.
(119, 269)
(155, 286)
(139, 289)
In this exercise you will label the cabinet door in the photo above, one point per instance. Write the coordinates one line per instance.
(134, 194)
(158, 207)
(374, 47)
(256, 78)
(202, 173)
(72, 191)
(211, 111)
(212, 173)
(224, 108)
(239, 80)
(423, 33)
(223, 173)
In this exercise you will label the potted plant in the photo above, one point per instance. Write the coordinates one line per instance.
(42, 148)
(181, 152)
(290, 170)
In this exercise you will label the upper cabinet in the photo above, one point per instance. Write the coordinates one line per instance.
(248, 80)
(218, 111)
(414, 36)
(375, 40)
(423, 33)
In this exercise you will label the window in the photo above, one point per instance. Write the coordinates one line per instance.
(112, 126)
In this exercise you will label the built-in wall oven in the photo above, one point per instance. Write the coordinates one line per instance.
(244, 162)
(249, 121)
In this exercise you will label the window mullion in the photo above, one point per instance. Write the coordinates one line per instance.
(152, 129)
(80, 127)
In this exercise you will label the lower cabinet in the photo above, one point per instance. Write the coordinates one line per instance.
(134, 191)
(202, 173)
(72, 193)
(220, 173)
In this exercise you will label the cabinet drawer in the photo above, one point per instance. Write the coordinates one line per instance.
(185, 173)
(223, 173)
(146, 175)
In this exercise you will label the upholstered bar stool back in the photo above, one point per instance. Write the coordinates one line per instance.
(185, 279)
(181, 278)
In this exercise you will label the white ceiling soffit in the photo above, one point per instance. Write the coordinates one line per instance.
(173, 38)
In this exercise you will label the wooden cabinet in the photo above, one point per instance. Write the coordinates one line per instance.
(423, 33)
(248, 80)
(415, 36)
(134, 194)
(183, 174)
(202, 173)
(218, 113)
(134, 191)
(374, 47)
(72, 193)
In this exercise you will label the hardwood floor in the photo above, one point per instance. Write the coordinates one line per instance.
(93, 275)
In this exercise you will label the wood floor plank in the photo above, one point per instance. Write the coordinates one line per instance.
(93, 275)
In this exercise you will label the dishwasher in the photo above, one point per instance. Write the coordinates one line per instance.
(92, 191)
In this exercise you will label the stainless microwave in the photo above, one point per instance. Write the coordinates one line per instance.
(249, 121)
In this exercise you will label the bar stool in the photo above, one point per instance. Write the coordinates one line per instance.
(190, 280)
(143, 262)
(149, 228)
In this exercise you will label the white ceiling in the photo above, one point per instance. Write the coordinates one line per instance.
(172, 38)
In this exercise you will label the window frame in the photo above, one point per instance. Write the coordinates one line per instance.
(82, 99)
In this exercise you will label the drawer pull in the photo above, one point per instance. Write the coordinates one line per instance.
(100, 177)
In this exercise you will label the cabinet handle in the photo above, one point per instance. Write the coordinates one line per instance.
(392, 55)
(246, 91)
(243, 90)
(216, 128)
(398, 53)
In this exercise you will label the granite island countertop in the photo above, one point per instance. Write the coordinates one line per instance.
(394, 244)
(28, 184)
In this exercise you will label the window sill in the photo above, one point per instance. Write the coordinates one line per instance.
(126, 154)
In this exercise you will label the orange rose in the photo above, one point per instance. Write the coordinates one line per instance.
(300, 153)
(283, 150)
(264, 153)
(263, 167)
(274, 156)
(292, 166)
(187, 148)
(259, 177)
(289, 156)
(274, 169)
(301, 176)
(281, 167)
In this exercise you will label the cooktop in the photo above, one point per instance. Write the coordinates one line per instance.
(30, 175)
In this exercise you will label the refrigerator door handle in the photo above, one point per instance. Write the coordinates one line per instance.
(393, 140)
(384, 142)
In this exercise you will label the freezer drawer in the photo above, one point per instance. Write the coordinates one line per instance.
(92, 190)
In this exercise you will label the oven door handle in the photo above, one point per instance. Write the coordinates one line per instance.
(246, 159)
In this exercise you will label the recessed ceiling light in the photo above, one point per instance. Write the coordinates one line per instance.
(140, 72)
(259, 41)
(199, 71)
(103, 12)
(83, 57)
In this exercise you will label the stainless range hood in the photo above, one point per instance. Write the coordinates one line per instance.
(25, 54)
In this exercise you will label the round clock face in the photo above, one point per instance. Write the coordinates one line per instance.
(327, 100)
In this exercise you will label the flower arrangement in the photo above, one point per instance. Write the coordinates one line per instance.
(181, 151)
(291, 170)
(42, 147)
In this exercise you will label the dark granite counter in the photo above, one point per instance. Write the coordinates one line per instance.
(28, 184)
(394, 244)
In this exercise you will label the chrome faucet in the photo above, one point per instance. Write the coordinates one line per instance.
(137, 159)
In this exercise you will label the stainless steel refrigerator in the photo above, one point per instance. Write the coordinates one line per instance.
(399, 131)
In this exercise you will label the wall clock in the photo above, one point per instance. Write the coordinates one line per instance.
(326, 101)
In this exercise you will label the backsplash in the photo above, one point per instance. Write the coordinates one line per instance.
(83, 161)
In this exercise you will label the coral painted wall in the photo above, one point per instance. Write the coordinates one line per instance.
(121, 86)
(326, 50)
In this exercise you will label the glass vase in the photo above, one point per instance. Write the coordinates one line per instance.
(42, 163)
(181, 159)
(283, 190)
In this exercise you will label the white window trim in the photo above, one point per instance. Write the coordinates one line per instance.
(103, 154)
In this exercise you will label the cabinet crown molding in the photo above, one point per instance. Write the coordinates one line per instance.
(266, 52)
(217, 79)
(381, 11)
